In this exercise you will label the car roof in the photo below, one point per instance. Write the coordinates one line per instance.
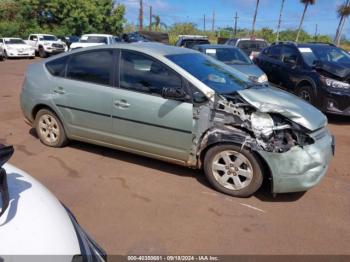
(213, 46)
(105, 35)
(199, 37)
(248, 38)
(144, 47)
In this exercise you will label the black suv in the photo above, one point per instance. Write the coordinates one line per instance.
(317, 72)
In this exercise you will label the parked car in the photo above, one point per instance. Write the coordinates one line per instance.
(134, 37)
(93, 40)
(15, 47)
(46, 45)
(236, 58)
(189, 41)
(68, 40)
(34, 222)
(251, 46)
(318, 73)
(179, 105)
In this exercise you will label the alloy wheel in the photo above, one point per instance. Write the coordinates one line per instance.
(232, 170)
(49, 129)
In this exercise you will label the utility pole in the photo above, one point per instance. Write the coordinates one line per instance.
(150, 18)
(141, 16)
(254, 19)
(279, 22)
(204, 23)
(316, 32)
(235, 27)
(213, 22)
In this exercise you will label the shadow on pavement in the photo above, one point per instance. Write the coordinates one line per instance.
(263, 194)
(338, 120)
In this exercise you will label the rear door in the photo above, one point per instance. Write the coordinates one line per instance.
(270, 62)
(142, 119)
(84, 97)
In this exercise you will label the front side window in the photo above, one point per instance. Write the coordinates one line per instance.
(289, 53)
(95, 67)
(144, 74)
(275, 52)
(216, 75)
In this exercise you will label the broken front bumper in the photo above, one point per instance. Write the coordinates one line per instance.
(300, 168)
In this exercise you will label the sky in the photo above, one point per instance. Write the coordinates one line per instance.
(323, 13)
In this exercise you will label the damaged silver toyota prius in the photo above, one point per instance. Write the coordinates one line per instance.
(183, 107)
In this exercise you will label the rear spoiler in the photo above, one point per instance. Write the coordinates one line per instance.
(5, 154)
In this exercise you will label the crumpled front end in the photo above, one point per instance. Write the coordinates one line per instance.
(293, 141)
(300, 168)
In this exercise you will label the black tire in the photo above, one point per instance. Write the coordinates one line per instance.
(5, 55)
(306, 93)
(42, 53)
(53, 128)
(253, 166)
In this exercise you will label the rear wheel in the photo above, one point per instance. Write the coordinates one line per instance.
(5, 55)
(50, 129)
(233, 171)
(306, 93)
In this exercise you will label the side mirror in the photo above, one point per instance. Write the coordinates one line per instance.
(173, 93)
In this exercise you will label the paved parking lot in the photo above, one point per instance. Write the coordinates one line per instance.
(131, 204)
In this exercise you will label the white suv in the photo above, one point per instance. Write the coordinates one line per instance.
(46, 45)
(93, 40)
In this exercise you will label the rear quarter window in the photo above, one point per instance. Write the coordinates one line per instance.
(57, 67)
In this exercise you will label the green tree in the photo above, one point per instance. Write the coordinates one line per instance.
(306, 4)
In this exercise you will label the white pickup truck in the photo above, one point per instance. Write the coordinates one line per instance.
(46, 45)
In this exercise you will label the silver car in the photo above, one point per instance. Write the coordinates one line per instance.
(180, 106)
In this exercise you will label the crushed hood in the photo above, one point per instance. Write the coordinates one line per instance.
(339, 70)
(273, 100)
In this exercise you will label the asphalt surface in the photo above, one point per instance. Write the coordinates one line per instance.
(135, 205)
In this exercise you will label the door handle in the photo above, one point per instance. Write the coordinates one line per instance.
(121, 103)
(59, 90)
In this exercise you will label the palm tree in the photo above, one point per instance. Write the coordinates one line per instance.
(306, 4)
(254, 20)
(279, 22)
(157, 23)
(343, 12)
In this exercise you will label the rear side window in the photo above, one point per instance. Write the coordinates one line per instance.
(145, 74)
(57, 67)
(95, 67)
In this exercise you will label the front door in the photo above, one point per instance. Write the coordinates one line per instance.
(142, 119)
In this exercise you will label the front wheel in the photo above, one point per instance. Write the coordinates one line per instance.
(50, 129)
(233, 171)
(306, 93)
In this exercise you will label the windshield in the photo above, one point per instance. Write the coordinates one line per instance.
(94, 39)
(218, 76)
(230, 56)
(324, 54)
(48, 38)
(190, 43)
(15, 42)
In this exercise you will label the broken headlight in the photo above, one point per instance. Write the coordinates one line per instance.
(335, 84)
(262, 124)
